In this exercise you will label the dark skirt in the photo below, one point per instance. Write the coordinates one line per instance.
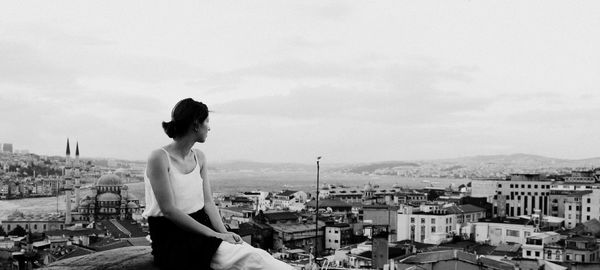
(175, 248)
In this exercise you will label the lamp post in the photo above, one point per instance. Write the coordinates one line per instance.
(317, 213)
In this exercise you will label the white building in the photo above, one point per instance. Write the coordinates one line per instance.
(590, 206)
(259, 198)
(494, 232)
(433, 227)
(437, 225)
(534, 244)
(284, 199)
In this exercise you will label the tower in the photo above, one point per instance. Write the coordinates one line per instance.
(68, 186)
(77, 155)
(77, 175)
(68, 154)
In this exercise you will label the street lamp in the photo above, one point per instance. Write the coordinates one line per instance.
(317, 212)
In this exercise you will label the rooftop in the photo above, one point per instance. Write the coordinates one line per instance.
(446, 255)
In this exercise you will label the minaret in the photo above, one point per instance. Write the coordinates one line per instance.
(68, 155)
(68, 186)
(77, 175)
(77, 155)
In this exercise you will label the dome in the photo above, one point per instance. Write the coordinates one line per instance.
(84, 203)
(108, 197)
(131, 197)
(132, 205)
(124, 187)
(109, 180)
(368, 187)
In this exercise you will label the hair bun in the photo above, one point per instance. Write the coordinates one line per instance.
(169, 128)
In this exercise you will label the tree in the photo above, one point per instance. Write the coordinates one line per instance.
(18, 231)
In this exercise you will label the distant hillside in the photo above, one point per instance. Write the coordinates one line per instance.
(379, 167)
(475, 166)
(243, 165)
(521, 160)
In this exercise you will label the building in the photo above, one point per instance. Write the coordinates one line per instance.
(337, 235)
(433, 227)
(333, 205)
(110, 199)
(7, 148)
(298, 236)
(522, 195)
(581, 249)
(535, 243)
(382, 215)
(234, 216)
(567, 204)
(485, 187)
(259, 198)
(37, 223)
(510, 230)
(451, 259)
(287, 198)
(573, 208)
(588, 176)
(590, 205)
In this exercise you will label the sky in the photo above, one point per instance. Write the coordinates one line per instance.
(287, 81)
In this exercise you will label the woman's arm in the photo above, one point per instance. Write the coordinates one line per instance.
(209, 203)
(161, 186)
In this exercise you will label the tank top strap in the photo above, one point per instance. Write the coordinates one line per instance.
(195, 157)
(168, 157)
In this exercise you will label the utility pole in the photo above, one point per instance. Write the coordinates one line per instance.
(317, 213)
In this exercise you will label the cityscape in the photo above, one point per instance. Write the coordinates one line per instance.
(334, 135)
(516, 221)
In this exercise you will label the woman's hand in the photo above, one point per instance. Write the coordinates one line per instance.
(231, 238)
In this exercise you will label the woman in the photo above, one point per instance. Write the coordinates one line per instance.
(185, 226)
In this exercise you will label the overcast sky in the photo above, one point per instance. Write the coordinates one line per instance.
(354, 81)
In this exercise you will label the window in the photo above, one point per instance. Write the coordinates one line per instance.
(537, 253)
(512, 233)
(35, 226)
(589, 209)
(433, 221)
(433, 229)
(528, 186)
(422, 220)
(570, 208)
(511, 185)
(529, 253)
(499, 185)
(336, 241)
(589, 200)
(412, 220)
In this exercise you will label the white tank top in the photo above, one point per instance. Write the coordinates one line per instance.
(188, 192)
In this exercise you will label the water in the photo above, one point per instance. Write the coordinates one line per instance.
(247, 181)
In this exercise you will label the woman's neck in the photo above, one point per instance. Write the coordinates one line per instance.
(182, 147)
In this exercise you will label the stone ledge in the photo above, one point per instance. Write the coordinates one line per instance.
(127, 258)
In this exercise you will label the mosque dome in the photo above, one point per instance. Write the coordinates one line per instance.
(368, 187)
(109, 180)
(108, 197)
(132, 205)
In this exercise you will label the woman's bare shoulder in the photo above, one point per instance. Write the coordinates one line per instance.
(157, 157)
(200, 156)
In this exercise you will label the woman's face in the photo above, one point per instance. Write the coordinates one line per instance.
(203, 131)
